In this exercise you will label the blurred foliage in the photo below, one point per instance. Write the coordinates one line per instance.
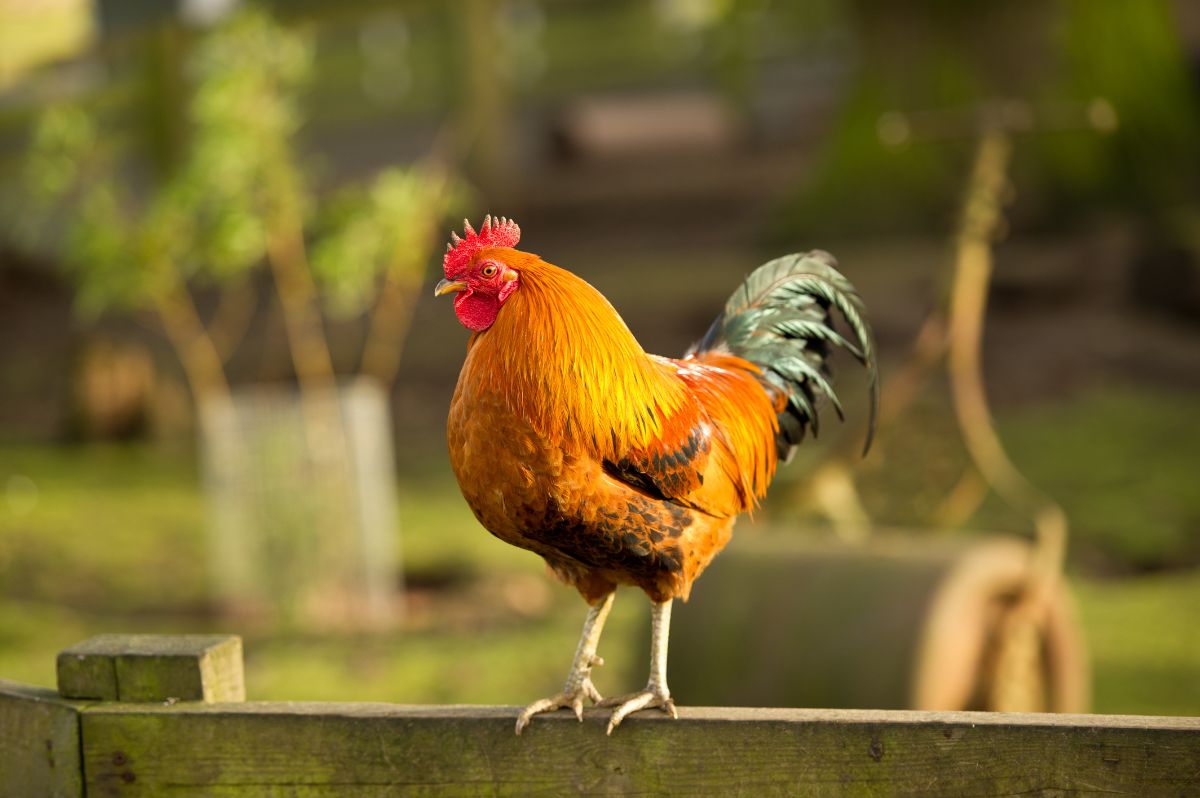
(128, 245)
(70, 162)
(1131, 54)
(368, 230)
(209, 219)
(918, 56)
(243, 115)
(858, 184)
(1122, 464)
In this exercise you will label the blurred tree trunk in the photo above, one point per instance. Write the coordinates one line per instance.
(300, 305)
(202, 363)
(231, 319)
(389, 319)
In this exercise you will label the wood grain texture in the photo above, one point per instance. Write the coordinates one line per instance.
(294, 749)
(153, 668)
(39, 744)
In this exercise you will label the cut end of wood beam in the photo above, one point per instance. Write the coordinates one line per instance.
(154, 668)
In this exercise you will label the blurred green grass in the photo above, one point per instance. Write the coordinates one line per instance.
(1124, 466)
(1145, 643)
(111, 538)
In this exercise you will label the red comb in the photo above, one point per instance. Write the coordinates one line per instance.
(499, 233)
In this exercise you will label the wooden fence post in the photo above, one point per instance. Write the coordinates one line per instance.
(40, 751)
(148, 668)
(41, 742)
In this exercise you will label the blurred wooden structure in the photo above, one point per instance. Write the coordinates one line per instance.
(604, 128)
(962, 626)
(301, 488)
(896, 623)
(114, 389)
(51, 745)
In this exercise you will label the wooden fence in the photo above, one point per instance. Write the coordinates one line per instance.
(149, 715)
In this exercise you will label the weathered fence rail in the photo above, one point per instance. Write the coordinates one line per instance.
(55, 745)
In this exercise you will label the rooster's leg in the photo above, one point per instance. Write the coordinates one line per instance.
(656, 694)
(579, 680)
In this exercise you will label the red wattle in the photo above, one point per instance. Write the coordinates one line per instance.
(476, 311)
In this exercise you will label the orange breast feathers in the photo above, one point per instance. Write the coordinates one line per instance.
(698, 431)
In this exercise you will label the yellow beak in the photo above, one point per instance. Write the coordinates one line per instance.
(449, 286)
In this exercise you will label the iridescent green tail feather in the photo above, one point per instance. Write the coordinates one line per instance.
(780, 319)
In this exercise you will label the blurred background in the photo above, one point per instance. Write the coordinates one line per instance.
(224, 378)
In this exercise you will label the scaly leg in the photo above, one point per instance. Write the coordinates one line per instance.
(579, 680)
(656, 693)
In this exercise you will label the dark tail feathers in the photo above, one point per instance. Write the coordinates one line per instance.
(780, 320)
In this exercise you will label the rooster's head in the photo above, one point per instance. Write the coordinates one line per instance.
(477, 271)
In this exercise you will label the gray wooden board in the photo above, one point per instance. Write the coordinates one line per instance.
(39, 744)
(305, 749)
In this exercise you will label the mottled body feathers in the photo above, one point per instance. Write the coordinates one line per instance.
(616, 466)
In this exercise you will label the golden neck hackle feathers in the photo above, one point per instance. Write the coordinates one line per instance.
(562, 358)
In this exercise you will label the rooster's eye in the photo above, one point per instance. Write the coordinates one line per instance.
(489, 270)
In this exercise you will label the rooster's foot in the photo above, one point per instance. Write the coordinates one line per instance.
(570, 698)
(650, 698)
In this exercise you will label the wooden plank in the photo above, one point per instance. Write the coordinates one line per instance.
(39, 744)
(294, 749)
(154, 668)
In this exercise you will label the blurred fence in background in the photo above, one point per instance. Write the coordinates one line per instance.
(301, 492)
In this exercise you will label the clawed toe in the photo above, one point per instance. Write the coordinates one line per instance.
(564, 700)
(626, 705)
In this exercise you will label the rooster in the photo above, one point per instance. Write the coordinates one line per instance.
(616, 466)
